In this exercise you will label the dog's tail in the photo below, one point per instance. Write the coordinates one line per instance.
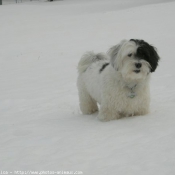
(88, 58)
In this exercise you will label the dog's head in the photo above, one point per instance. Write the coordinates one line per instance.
(134, 59)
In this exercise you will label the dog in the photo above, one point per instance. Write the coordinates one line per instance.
(118, 81)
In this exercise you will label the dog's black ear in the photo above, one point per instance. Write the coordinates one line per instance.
(147, 52)
(113, 52)
(154, 58)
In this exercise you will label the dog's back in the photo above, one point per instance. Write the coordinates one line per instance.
(88, 58)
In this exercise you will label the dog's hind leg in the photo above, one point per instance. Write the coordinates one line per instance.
(87, 104)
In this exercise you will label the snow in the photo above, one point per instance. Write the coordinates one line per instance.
(41, 126)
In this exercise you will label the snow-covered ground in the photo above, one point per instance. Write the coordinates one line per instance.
(41, 126)
(5, 2)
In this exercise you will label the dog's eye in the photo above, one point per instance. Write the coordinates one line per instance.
(130, 55)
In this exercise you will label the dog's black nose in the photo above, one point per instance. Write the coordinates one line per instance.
(138, 65)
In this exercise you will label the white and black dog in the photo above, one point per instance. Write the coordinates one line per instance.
(118, 81)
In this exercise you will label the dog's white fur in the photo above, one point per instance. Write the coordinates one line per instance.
(112, 87)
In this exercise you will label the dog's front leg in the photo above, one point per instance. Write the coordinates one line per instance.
(108, 113)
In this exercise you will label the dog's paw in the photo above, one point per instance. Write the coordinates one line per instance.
(89, 111)
(108, 117)
(103, 119)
